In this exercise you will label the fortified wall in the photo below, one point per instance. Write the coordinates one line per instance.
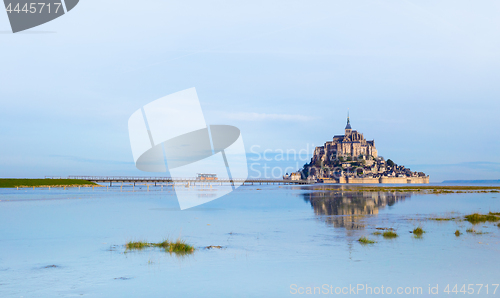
(386, 180)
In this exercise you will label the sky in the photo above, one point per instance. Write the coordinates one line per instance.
(418, 77)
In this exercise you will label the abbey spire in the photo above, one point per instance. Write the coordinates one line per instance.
(348, 128)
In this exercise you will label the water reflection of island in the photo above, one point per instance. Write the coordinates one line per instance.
(349, 207)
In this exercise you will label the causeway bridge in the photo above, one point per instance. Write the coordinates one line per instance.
(173, 180)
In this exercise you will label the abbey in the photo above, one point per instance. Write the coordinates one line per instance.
(352, 144)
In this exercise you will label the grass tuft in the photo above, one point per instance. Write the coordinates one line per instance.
(389, 234)
(473, 231)
(364, 240)
(476, 218)
(442, 218)
(179, 246)
(136, 245)
(418, 231)
(164, 244)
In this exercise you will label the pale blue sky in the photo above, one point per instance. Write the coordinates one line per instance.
(419, 77)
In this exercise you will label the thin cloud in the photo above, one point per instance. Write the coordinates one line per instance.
(266, 117)
(90, 160)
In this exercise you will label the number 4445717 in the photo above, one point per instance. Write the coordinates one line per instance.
(33, 8)
(471, 289)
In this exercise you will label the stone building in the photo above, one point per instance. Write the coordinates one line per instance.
(350, 145)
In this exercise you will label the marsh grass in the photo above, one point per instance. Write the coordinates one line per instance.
(477, 218)
(136, 245)
(389, 234)
(473, 231)
(418, 231)
(470, 230)
(164, 244)
(11, 183)
(364, 240)
(179, 246)
(442, 218)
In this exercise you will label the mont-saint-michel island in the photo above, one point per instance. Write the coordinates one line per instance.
(350, 158)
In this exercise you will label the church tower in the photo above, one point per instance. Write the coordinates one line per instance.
(348, 129)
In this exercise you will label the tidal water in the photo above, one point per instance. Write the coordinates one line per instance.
(277, 241)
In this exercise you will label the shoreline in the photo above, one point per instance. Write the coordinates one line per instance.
(44, 183)
(421, 189)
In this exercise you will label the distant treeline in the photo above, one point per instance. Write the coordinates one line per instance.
(8, 183)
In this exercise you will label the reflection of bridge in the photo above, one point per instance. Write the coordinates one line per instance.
(173, 180)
